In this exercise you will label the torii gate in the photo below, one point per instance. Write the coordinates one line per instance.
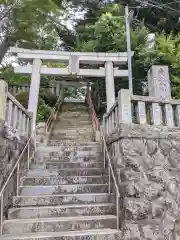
(73, 61)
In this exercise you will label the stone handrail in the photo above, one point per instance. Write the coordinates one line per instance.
(155, 111)
(113, 108)
(142, 110)
(15, 89)
(17, 116)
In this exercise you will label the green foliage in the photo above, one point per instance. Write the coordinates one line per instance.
(166, 52)
(43, 111)
(13, 78)
(158, 20)
(107, 34)
(23, 98)
(48, 97)
(30, 24)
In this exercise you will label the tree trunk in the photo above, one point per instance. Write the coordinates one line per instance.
(4, 46)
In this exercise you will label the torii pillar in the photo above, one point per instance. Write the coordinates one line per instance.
(34, 90)
(110, 90)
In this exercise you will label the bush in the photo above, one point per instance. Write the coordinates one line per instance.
(48, 97)
(43, 111)
(23, 98)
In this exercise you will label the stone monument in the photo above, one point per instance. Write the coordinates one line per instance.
(159, 87)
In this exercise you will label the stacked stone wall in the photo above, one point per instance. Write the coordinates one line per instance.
(11, 144)
(147, 164)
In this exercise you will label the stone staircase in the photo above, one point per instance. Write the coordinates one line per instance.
(65, 193)
(73, 124)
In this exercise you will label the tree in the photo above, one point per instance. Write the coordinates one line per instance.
(27, 22)
(158, 15)
(108, 34)
(166, 52)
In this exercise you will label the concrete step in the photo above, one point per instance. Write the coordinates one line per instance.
(60, 165)
(31, 181)
(74, 130)
(55, 145)
(80, 129)
(17, 226)
(62, 211)
(78, 146)
(70, 135)
(95, 234)
(76, 153)
(71, 153)
(71, 117)
(54, 200)
(74, 124)
(69, 139)
(69, 159)
(67, 172)
(60, 189)
(78, 126)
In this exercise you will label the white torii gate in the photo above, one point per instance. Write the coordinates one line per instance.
(38, 58)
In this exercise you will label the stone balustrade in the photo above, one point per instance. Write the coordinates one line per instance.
(155, 111)
(143, 135)
(17, 116)
(15, 130)
(148, 110)
(15, 89)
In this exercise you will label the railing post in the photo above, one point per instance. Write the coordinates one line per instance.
(177, 114)
(104, 153)
(24, 123)
(10, 112)
(156, 114)
(15, 116)
(169, 116)
(2, 210)
(3, 106)
(30, 125)
(124, 106)
(20, 120)
(117, 210)
(105, 124)
(141, 112)
(109, 178)
(17, 189)
(3, 99)
(28, 155)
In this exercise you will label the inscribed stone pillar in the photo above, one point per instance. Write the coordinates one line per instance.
(159, 82)
(159, 86)
(110, 91)
(34, 90)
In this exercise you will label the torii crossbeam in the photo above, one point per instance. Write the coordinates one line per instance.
(73, 60)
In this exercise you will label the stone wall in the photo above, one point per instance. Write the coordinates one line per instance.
(11, 144)
(147, 163)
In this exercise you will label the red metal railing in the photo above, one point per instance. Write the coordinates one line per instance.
(93, 113)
